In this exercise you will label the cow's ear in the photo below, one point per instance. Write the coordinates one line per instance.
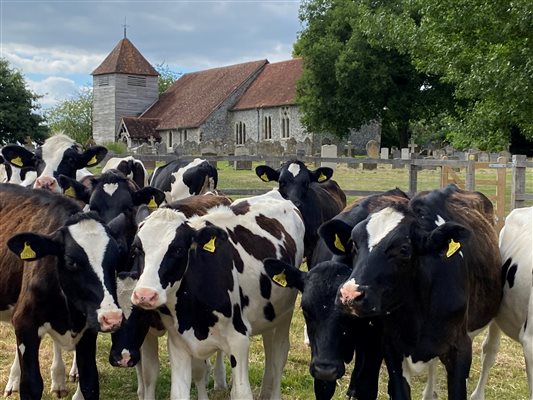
(117, 226)
(321, 174)
(18, 156)
(32, 246)
(266, 173)
(73, 188)
(142, 212)
(93, 156)
(336, 235)
(139, 173)
(448, 238)
(283, 274)
(210, 237)
(150, 196)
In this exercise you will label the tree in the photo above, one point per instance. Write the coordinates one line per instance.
(18, 108)
(349, 81)
(166, 76)
(74, 116)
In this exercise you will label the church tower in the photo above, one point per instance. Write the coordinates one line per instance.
(124, 84)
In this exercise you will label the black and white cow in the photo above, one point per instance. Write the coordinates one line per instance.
(130, 167)
(515, 315)
(432, 272)
(58, 278)
(206, 276)
(59, 155)
(180, 179)
(317, 196)
(15, 175)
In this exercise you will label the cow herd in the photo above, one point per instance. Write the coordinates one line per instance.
(391, 279)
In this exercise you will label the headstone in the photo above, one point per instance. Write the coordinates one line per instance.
(396, 153)
(483, 156)
(328, 151)
(406, 154)
(412, 146)
(384, 155)
(506, 154)
(349, 149)
(372, 151)
(242, 165)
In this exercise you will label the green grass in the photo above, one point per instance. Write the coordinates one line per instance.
(507, 378)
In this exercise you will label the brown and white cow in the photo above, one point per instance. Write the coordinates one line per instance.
(58, 277)
(431, 272)
(206, 276)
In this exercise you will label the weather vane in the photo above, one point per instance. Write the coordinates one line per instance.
(125, 26)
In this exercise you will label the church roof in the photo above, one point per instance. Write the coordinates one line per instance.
(125, 59)
(274, 87)
(195, 96)
(141, 128)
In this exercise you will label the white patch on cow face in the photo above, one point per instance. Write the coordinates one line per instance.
(381, 224)
(439, 221)
(93, 239)
(52, 152)
(110, 188)
(156, 233)
(22, 349)
(294, 169)
(179, 190)
(124, 290)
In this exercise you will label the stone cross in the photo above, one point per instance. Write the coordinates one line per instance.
(412, 146)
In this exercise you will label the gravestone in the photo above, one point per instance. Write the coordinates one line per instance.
(406, 154)
(384, 154)
(484, 156)
(372, 151)
(329, 151)
(242, 165)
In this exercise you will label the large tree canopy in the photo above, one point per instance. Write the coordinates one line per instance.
(482, 50)
(19, 119)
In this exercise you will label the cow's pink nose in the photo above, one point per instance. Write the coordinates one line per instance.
(144, 297)
(111, 321)
(349, 292)
(46, 182)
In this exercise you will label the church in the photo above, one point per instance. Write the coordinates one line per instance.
(249, 105)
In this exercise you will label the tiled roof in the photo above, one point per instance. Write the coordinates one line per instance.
(125, 59)
(141, 128)
(274, 87)
(195, 96)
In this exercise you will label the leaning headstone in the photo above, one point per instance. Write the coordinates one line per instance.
(372, 151)
(384, 154)
(207, 151)
(328, 151)
(241, 164)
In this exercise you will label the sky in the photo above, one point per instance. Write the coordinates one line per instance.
(57, 44)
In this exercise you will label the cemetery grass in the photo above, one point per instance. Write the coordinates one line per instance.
(507, 378)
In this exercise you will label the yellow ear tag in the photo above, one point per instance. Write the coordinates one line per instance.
(70, 192)
(264, 177)
(17, 161)
(27, 252)
(452, 248)
(322, 177)
(92, 161)
(338, 244)
(210, 246)
(280, 279)
(152, 203)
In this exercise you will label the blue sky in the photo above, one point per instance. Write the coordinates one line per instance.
(57, 44)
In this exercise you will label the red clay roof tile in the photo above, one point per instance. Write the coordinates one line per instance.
(125, 59)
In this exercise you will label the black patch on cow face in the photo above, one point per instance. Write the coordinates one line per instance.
(238, 324)
(237, 260)
(121, 200)
(233, 361)
(245, 300)
(505, 268)
(195, 178)
(241, 208)
(511, 275)
(265, 285)
(525, 324)
(269, 312)
(257, 246)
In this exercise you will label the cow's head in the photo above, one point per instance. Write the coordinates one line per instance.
(86, 256)
(331, 332)
(59, 155)
(294, 179)
(391, 251)
(130, 167)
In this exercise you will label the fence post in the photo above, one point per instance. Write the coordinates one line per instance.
(470, 178)
(413, 177)
(518, 188)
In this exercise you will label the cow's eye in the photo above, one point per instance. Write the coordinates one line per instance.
(72, 265)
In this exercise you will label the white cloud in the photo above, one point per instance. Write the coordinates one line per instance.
(54, 90)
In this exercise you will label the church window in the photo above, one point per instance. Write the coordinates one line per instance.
(169, 138)
(139, 81)
(240, 133)
(267, 127)
(183, 136)
(285, 132)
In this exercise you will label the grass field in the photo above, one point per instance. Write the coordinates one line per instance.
(507, 378)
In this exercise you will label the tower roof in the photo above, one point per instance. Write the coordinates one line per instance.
(125, 59)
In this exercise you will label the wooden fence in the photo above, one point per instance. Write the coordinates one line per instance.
(462, 173)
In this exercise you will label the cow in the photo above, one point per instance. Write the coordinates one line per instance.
(130, 167)
(180, 179)
(18, 176)
(205, 275)
(317, 196)
(431, 271)
(59, 155)
(57, 277)
(142, 327)
(516, 310)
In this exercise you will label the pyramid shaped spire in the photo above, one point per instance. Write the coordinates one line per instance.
(125, 59)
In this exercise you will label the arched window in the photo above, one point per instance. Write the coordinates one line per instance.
(285, 132)
(240, 133)
(267, 127)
